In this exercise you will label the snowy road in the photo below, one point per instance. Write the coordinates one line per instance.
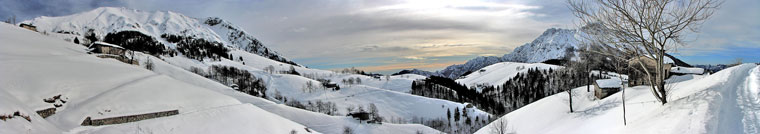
(749, 101)
(739, 105)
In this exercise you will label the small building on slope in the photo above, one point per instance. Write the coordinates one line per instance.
(28, 26)
(607, 87)
(106, 48)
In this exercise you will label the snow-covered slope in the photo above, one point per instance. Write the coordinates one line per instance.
(554, 43)
(37, 67)
(389, 95)
(455, 71)
(106, 20)
(724, 102)
(312, 120)
(500, 73)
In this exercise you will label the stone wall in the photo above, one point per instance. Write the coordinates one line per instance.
(46, 112)
(125, 119)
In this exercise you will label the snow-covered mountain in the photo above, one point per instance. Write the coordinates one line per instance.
(554, 43)
(157, 24)
(291, 91)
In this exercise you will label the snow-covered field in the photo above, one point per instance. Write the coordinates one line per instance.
(724, 102)
(389, 95)
(36, 67)
(101, 88)
(500, 73)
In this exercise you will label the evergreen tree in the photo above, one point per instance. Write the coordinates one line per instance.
(456, 114)
(464, 112)
(448, 114)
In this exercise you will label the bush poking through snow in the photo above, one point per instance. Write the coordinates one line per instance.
(17, 113)
(149, 64)
(500, 126)
(348, 130)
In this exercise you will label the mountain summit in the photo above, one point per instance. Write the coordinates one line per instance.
(167, 29)
(554, 43)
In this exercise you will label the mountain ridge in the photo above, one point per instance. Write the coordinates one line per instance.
(156, 24)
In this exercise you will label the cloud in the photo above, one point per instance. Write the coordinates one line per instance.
(400, 66)
(735, 24)
(376, 48)
(331, 34)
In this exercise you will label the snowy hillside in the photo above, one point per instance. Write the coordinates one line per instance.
(283, 91)
(37, 67)
(499, 73)
(724, 102)
(109, 20)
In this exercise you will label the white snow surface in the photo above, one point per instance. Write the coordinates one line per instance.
(724, 102)
(609, 83)
(35, 67)
(172, 75)
(390, 96)
(687, 70)
(500, 73)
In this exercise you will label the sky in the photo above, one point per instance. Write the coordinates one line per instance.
(387, 36)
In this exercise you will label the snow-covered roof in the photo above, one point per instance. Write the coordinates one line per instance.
(104, 44)
(687, 70)
(608, 83)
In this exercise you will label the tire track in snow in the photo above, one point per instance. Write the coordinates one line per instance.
(143, 78)
(750, 103)
(731, 113)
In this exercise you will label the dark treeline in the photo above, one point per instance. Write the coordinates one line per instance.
(325, 107)
(519, 91)
(136, 41)
(447, 89)
(197, 48)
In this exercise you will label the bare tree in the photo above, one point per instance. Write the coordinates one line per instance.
(148, 64)
(737, 61)
(644, 28)
(500, 126)
(347, 130)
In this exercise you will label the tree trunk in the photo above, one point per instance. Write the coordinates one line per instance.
(588, 79)
(661, 77)
(570, 95)
(624, 121)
